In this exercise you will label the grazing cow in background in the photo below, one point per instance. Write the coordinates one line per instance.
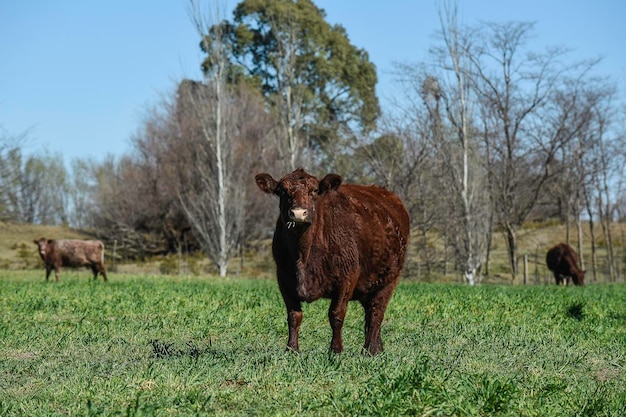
(562, 261)
(72, 253)
(339, 241)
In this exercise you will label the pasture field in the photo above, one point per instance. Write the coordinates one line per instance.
(165, 346)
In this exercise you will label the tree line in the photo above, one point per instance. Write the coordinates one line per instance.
(488, 134)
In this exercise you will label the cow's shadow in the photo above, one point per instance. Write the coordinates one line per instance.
(163, 349)
(576, 310)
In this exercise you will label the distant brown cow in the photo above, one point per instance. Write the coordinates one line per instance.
(72, 253)
(339, 241)
(562, 261)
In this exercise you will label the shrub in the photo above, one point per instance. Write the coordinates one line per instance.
(26, 256)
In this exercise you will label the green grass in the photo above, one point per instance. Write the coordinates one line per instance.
(151, 345)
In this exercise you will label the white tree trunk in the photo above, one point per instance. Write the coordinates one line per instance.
(213, 210)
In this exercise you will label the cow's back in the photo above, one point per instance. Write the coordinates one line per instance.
(74, 252)
(382, 223)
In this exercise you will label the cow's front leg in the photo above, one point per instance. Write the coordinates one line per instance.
(48, 270)
(336, 316)
(294, 319)
(56, 272)
(286, 280)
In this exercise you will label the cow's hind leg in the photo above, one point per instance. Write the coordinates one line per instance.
(103, 272)
(375, 307)
(336, 316)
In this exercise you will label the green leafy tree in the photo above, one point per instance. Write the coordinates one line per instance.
(320, 87)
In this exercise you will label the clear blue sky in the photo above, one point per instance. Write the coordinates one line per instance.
(77, 75)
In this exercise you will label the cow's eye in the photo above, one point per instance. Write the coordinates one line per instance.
(313, 192)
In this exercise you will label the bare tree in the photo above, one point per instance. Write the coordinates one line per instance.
(570, 120)
(423, 178)
(512, 89)
(184, 185)
(213, 122)
(455, 143)
(208, 105)
(38, 190)
(10, 169)
(82, 190)
(289, 101)
(439, 99)
(607, 152)
(499, 118)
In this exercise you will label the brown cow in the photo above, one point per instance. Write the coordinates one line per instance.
(339, 241)
(562, 261)
(72, 253)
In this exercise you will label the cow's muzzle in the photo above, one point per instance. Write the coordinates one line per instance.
(298, 215)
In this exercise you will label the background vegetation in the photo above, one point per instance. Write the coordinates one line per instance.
(17, 252)
(489, 136)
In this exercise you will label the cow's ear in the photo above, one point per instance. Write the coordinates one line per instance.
(330, 182)
(35, 241)
(266, 183)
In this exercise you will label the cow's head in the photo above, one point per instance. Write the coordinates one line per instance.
(42, 244)
(299, 193)
(578, 277)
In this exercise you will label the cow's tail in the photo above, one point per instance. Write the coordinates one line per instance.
(101, 252)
